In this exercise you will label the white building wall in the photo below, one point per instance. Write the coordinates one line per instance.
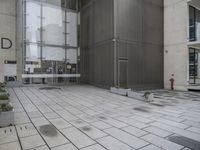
(175, 43)
(7, 30)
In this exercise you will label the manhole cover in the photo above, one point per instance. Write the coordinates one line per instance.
(48, 130)
(184, 141)
(49, 88)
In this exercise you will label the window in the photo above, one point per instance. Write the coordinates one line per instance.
(192, 23)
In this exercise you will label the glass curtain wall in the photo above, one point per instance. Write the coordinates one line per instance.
(51, 41)
(194, 24)
(194, 66)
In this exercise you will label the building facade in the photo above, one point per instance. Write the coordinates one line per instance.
(101, 42)
(122, 43)
(7, 38)
(182, 43)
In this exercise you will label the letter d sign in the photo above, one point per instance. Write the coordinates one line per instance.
(6, 43)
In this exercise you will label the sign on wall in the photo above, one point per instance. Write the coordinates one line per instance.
(6, 43)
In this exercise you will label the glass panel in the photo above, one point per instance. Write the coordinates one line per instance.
(33, 12)
(197, 66)
(198, 24)
(71, 29)
(53, 53)
(72, 4)
(55, 2)
(33, 52)
(33, 61)
(71, 56)
(192, 26)
(53, 25)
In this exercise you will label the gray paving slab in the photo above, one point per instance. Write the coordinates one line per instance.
(86, 117)
(113, 144)
(77, 137)
(126, 138)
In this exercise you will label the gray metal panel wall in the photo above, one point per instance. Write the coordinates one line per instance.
(139, 38)
(139, 26)
(96, 42)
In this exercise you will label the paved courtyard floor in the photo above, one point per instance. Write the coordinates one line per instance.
(89, 118)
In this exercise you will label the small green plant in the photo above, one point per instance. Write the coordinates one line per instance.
(6, 107)
(4, 96)
(2, 84)
(146, 95)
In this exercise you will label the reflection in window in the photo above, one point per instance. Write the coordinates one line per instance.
(53, 25)
(32, 52)
(72, 29)
(33, 21)
(53, 53)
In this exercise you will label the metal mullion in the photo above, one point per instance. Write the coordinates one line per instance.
(41, 36)
(65, 39)
(195, 66)
(77, 40)
(24, 7)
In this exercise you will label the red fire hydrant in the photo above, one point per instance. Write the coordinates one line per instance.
(172, 82)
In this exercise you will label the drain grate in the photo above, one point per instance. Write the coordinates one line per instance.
(7, 131)
(26, 130)
(184, 141)
(48, 130)
(49, 88)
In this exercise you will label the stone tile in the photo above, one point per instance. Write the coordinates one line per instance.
(141, 119)
(132, 122)
(66, 115)
(94, 147)
(7, 135)
(194, 129)
(60, 123)
(65, 147)
(151, 147)
(172, 123)
(87, 118)
(79, 123)
(51, 115)
(99, 109)
(101, 125)
(178, 131)
(134, 131)
(115, 123)
(126, 138)
(21, 118)
(31, 142)
(113, 144)
(26, 130)
(44, 109)
(93, 132)
(40, 121)
(35, 114)
(10, 146)
(52, 136)
(157, 131)
(77, 137)
(41, 148)
(161, 143)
